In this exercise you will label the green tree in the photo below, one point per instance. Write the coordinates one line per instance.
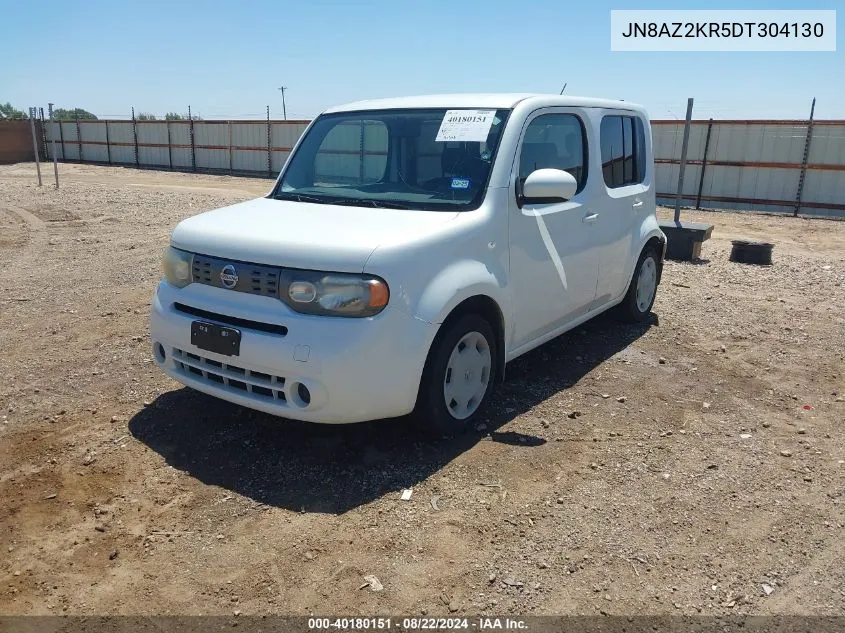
(175, 116)
(8, 111)
(68, 115)
(146, 116)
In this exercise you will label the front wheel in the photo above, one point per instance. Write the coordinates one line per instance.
(636, 306)
(458, 377)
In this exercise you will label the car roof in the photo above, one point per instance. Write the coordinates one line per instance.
(482, 100)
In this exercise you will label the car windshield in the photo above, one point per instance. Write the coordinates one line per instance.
(433, 159)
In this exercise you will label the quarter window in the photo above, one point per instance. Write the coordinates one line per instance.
(623, 154)
(555, 141)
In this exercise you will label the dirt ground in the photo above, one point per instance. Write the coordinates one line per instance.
(695, 464)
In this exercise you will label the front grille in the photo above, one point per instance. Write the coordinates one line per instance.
(231, 376)
(252, 278)
(272, 328)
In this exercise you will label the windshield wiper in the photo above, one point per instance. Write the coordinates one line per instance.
(299, 197)
(382, 204)
(360, 202)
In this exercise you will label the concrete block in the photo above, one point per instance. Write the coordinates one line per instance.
(684, 239)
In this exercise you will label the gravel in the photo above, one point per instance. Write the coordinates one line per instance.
(651, 523)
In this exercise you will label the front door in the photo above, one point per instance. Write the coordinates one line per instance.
(553, 259)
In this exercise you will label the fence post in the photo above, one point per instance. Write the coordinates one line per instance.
(703, 164)
(230, 147)
(803, 175)
(35, 143)
(44, 134)
(135, 136)
(269, 147)
(684, 146)
(61, 137)
(53, 137)
(363, 133)
(108, 143)
(169, 147)
(193, 146)
(78, 138)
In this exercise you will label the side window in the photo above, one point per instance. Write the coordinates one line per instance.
(623, 157)
(640, 150)
(556, 141)
(611, 151)
(628, 148)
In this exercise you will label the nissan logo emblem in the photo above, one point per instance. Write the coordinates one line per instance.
(229, 276)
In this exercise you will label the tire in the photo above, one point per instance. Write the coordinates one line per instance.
(642, 290)
(440, 381)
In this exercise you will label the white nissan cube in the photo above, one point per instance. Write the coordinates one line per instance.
(408, 250)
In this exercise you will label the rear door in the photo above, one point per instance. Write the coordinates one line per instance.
(627, 188)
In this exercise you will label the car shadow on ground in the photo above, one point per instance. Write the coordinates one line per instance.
(333, 469)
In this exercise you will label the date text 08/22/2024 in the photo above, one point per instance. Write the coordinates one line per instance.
(416, 624)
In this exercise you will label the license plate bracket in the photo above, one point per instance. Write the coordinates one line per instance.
(216, 338)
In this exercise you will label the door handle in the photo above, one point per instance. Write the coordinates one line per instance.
(637, 204)
(589, 219)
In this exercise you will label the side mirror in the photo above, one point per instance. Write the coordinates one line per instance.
(549, 185)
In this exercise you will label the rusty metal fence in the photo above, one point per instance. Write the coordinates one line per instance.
(237, 146)
(764, 165)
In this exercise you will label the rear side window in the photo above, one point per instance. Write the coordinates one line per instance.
(623, 152)
(555, 141)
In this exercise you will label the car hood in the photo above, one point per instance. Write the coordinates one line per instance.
(301, 234)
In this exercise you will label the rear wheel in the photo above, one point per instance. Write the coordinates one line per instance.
(458, 377)
(638, 301)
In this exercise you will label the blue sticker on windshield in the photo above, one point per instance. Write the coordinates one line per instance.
(460, 183)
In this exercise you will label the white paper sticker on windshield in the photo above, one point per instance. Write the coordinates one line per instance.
(465, 125)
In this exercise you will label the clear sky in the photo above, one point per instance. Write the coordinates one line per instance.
(227, 59)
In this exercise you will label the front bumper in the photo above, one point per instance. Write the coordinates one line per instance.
(349, 370)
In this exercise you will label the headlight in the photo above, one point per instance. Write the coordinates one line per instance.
(333, 294)
(177, 266)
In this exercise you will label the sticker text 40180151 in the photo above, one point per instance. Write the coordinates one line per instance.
(465, 125)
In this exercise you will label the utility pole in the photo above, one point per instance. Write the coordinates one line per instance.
(284, 109)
